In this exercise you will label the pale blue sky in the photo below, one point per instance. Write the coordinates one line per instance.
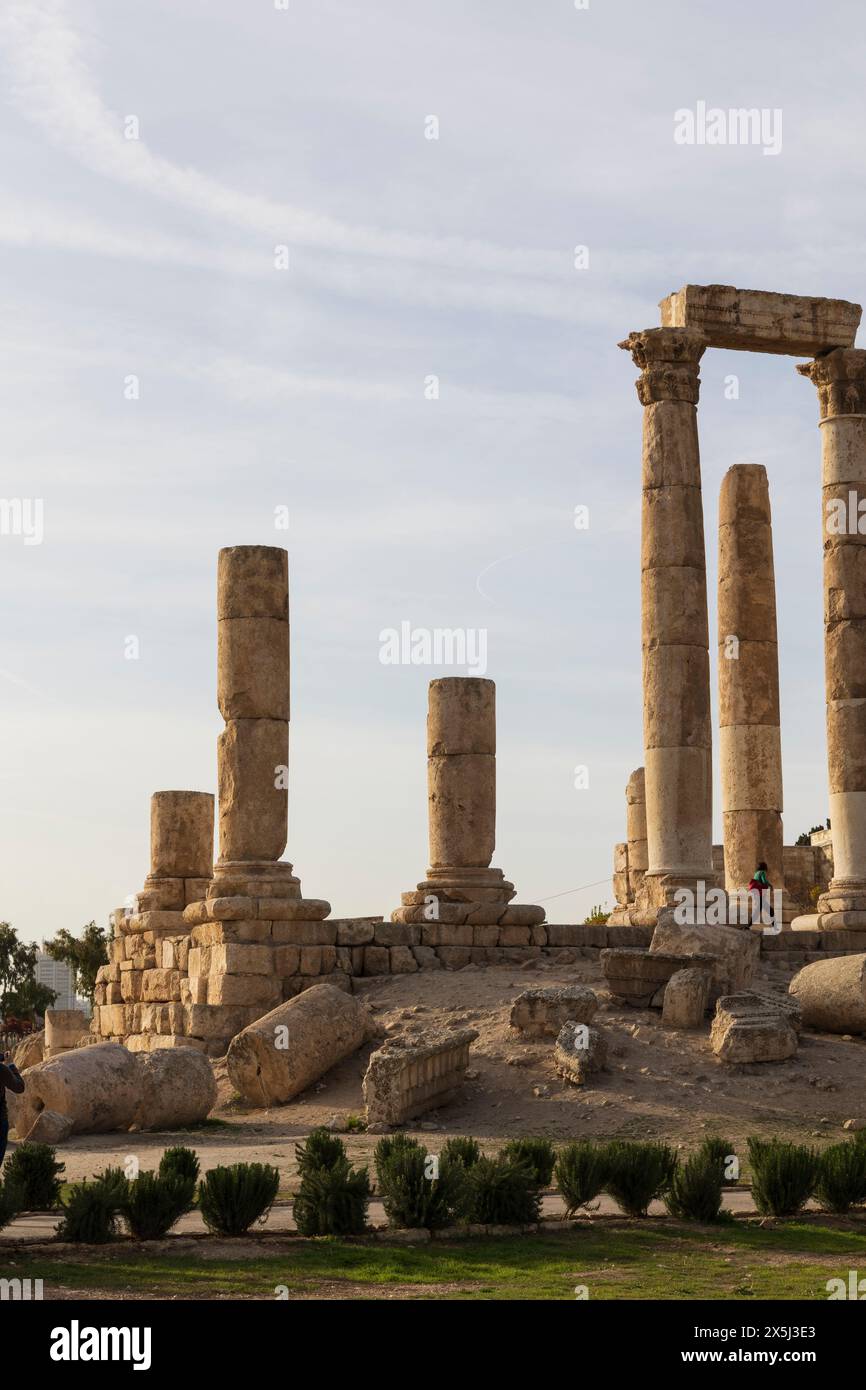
(305, 388)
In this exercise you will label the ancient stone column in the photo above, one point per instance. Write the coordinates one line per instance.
(635, 800)
(253, 696)
(750, 749)
(461, 772)
(840, 377)
(461, 889)
(675, 635)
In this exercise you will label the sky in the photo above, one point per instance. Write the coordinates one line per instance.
(315, 260)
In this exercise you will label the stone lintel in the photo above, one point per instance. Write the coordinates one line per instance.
(761, 320)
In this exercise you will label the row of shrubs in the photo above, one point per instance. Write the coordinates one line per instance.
(420, 1190)
(229, 1199)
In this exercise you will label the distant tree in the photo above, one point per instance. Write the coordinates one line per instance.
(83, 954)
(21, 994)
(806, 837)
(597, 916)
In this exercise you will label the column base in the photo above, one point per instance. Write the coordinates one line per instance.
(466, 896)
(843, 906)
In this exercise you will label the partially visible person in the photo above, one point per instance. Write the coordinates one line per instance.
(762, 892)
(12, 1080)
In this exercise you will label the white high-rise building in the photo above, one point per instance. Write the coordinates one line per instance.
(56, 974)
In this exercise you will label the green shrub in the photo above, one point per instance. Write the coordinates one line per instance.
(783, 1176)
(460, 1149)
(638, 1173)
(539, 1155)
(333, 1201)
(322, 1150)
(9, 1207)
(153, 1203)
(581, 1173)
(388, 1147)
(180, 1162)
(696, 1186)
(114, 1182)
(231, 1199)
(502, 1193)
(89, 1213)
(841, 1180)
(413, 1197)
(32, 1170)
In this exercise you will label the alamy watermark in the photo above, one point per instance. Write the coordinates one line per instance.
(437, 646)
(742, 907)
(712, 125)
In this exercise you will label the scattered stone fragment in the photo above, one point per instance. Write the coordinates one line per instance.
(832, 994)
(542, 1011)
(686, 998)
(752, 1027)
(580, 1052)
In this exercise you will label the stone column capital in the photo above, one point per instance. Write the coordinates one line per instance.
(668, 359)
(840, 376)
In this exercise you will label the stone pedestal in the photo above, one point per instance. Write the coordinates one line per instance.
(840, 377)
(461, 889)
(750, 750)
(675, 636)
(139, 998)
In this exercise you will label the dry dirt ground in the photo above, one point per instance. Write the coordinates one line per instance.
(660, 1084)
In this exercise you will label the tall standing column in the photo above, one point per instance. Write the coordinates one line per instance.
(675, 634)
(253, 696)
(840, 377)
(750, 747)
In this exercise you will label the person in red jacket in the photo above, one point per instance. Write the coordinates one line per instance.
(762, 893)
(10, 1079)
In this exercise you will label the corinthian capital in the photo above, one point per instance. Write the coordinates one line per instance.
(668, 359)
(840, 377)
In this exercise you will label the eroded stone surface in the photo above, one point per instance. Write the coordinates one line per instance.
(542, 1012)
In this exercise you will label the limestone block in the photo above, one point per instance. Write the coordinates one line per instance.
(377, 960)
(762, 321)
(253, 809)
(832, 994)
(677, 696)
(461, 794)
(461, 716)
(96, 1087)
(177, 1087)
(396, 934)
(686, 998)
(30, 1050)
(63, 1029)
(216, 1022)
(636, 975)
(181, 835)
(750, 757)
(160, 985)
(304, 933)
(749, 1027)
(49, 1127)
(286, 960)
(253, 582)
(253, 668)
(455, 957)
(195, 889)
(542, 1011)
(293, 909)
(236, 959)
(407, 1077)
(131, 987)
(580, 1052)
(674, 599)
(402, 961)
(283, 1053)
(355, 932)
(426, 957)
(262, 991)
(736, 952)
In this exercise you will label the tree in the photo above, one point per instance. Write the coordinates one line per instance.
(84, 955)
(21, 993)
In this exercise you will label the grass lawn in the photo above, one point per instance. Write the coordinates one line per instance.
(613, 1259)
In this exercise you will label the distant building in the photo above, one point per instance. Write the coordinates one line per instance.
(57, 975)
